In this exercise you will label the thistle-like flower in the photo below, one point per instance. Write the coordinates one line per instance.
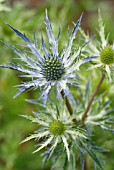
(62, 138)
(102, 49)
(56, 127)
(48, 67)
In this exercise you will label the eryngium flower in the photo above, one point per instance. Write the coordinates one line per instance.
(102, 49)
(56, 128)
(48, 67)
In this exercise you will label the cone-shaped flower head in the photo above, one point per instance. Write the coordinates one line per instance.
(47, 67)
(107, 55)
(56, 127)
(103, 50)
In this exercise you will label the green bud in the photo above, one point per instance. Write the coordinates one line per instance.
(107, 55)
(57, 128)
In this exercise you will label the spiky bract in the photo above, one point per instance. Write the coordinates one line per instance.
(56, 127)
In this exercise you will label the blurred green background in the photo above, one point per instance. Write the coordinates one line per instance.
(26, 16)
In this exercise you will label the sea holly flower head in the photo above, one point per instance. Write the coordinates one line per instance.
(63, 140)
(56, 127)
(47, 67)
(102, 49)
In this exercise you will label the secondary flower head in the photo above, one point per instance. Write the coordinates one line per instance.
(56, 128)
(103, 50)
(47, 67)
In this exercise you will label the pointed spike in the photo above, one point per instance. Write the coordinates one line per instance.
(57, 110)
(48, 24)
(12, 66)
(44, 46)
(58, 37)
(6, 66)
(77, 24)
(88, 59)
(51, 38)
(13, 48)
(99, 15)
(47, 15)
(43, 43)
(42, 39)
(29, 43)
(23, 36)
(35, 39)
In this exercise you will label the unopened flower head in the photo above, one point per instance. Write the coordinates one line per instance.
(103, 50)
(48, 67)
(107, 55)
(56, 127)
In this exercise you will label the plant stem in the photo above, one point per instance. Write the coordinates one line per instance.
(68, 104)
(92, 98)
(85, 164)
